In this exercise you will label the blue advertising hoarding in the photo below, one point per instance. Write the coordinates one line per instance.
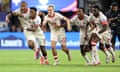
(16, 40)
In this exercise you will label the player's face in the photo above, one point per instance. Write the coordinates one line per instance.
(80, 12)
(32, 13)
(50, 11)
(23, 7)
(95, 12)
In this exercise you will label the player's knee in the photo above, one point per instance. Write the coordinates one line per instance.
(63, 48)
(31, 44)
(53, 47)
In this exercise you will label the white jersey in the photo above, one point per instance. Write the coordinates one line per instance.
(57, 33)
(75, 20)
(24, 21)
(37, 21)
(53, 21)
(99, 21)
(24, 14)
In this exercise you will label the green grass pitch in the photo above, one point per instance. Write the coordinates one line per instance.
(23, 61)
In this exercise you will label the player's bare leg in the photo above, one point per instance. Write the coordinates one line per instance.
(32, 46)
(94, 53)
(54, 52)
(39, 54)
(44, 53)
(110, 49)
(83, 53)
(105, 50)
(66, 50)
(95, 57)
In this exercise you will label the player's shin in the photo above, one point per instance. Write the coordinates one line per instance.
(54, 52)
(44, 53)
(110, 49)
(67, 52)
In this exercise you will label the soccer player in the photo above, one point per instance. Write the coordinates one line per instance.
(33, 31)
(102, 30)
(81, 20)
(25, 12)
(38, 33)
(57, 32)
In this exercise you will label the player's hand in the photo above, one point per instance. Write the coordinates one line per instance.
(86, 37)
(33, 28)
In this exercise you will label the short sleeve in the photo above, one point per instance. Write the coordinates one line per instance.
(60, 15)
(103, 20)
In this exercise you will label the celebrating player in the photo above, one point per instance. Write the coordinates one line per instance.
(57, 32)
(81, 20)
(24, 11)
(102, 30)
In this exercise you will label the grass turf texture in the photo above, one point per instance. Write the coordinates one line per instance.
(22, 61)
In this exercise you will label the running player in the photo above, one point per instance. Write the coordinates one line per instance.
(25, 11)
(57, 32)
(102, 30)
(81, 20)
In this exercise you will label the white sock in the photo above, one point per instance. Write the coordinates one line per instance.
(86, 59)
(96, 55)
(93, 54)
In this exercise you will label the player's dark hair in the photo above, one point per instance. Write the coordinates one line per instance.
(97, 7)
(82, 9)
(33, 8)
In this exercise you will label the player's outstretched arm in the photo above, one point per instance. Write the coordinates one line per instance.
(68, 23)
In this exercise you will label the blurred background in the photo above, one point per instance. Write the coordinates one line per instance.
(15, 38)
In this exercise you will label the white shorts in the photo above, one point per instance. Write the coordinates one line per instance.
(38, 38)
(82, 40)
(105, 37)
(58, 36)
(29, 35)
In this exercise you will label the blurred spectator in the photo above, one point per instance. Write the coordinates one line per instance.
(114, 21)
(4, 5)
(4, 28)
(14, 24)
